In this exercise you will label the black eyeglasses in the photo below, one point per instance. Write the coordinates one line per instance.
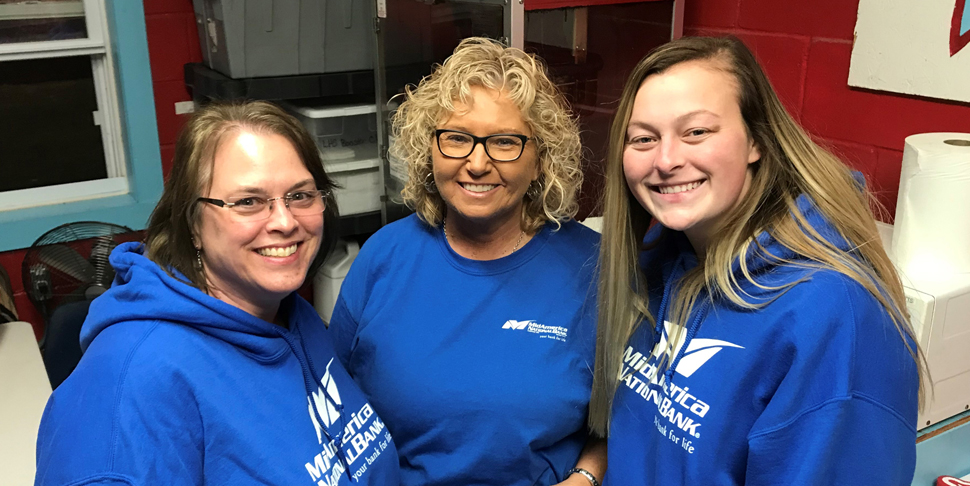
(502, 147)
(256, 208)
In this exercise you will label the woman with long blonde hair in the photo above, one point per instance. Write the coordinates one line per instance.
(752, 328)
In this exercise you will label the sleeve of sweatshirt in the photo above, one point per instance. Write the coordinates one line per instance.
(343, 328)
(845, 441)
(845, 413)
(348, 309)
(121, 418)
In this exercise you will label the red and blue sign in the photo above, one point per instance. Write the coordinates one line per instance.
(960, 27)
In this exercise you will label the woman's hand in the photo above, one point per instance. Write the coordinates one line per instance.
(592, 460)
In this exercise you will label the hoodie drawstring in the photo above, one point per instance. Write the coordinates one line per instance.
(306, 363)
(695, 324)
(659, 329)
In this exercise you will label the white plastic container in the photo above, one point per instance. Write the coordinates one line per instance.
(347, 138)
(327, 281)
(339, 125)
(360, 182)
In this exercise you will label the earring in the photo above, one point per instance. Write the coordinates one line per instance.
(429, 184)
(198, 259)
(534, 192)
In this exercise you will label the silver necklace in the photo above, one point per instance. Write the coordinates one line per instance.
(444, 228)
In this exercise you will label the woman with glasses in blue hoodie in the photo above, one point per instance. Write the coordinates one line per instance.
(201, 364)
(752, 329)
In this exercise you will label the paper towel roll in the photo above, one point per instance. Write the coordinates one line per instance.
(931, 239)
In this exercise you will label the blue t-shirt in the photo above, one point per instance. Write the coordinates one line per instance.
(816, 387)
(481, 369)
(179, 388)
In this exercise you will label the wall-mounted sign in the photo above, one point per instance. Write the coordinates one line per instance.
(917, 47)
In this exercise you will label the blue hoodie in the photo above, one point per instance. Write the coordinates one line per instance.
(817, 387)
(179, 388)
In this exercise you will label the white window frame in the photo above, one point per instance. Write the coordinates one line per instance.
(107, 117)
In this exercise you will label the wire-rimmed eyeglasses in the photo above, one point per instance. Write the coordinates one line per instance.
(501, 147)
(256, 208)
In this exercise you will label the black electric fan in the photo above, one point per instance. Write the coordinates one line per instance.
(63, 271)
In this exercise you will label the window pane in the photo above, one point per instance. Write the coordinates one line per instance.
(41, 20)
(47, 130)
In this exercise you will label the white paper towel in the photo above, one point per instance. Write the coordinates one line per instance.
(932, 235)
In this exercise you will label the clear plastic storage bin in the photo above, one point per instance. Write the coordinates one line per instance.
(346, 136)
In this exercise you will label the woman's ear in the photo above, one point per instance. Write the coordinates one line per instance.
(754, 153)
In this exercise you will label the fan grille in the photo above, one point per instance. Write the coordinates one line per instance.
(70, 263)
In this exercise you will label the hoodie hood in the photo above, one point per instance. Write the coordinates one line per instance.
(769, 252)
(208, 362)
(673, 256)
(142, 291)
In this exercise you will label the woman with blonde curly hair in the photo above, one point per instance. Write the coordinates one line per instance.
(752, 329)
(470, 325)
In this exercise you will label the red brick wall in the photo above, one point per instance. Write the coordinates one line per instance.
(172, 42)
(805, 46)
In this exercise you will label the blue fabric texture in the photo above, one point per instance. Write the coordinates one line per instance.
(816, 387)
(481, 369)
(179, 388)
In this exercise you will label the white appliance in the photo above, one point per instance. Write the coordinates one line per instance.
(940, 312)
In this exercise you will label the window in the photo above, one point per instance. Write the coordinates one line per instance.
(59, 128)
(68, 150)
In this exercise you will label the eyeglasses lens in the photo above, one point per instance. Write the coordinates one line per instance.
(303, 203)
(501, 148)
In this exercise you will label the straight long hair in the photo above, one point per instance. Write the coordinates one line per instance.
(791, 165)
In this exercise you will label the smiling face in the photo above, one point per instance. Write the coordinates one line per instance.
(688, 154)
(476, 188)
(255, 264)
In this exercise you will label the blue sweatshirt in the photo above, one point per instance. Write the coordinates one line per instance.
(482, 369)
(179, 388)
(815, 388)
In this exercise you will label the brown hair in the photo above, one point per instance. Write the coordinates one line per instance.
(173, 223)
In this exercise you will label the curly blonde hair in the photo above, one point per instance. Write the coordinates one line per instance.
(485, 63)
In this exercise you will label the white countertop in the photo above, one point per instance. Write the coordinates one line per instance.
(24, 389)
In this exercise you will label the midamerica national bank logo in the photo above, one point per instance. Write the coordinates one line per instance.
(558, 333)
(680, 409)
(327, 402)
(361, 441)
